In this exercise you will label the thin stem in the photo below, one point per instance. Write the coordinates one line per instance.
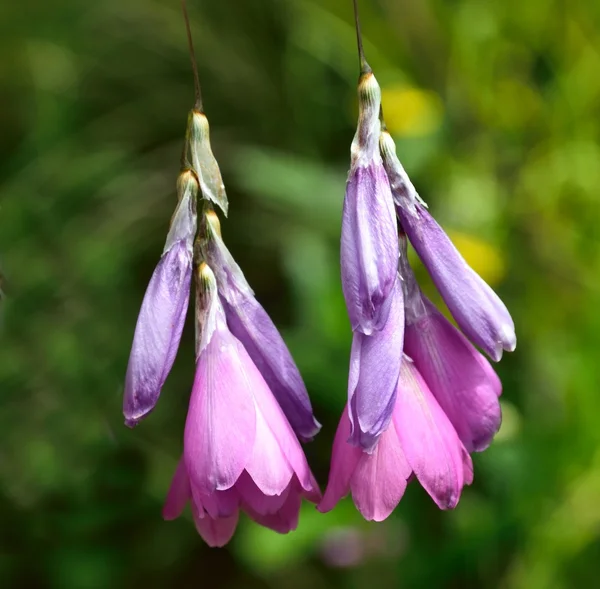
(198, 103)
(364, 66)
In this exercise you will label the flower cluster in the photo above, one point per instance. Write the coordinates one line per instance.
(248, 405)
(421, 398)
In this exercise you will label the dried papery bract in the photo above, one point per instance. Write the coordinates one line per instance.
(204, 162)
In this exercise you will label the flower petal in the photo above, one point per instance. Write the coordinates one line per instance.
(158, 332)
(268, 467)
(379, 480)
(377, 358)
(344, 459)
(462, 381)
(283, 520)
(179, 493)
(477, 309)
(428, 439)
(467, 466)
(256, 500)
(219, 504)
(250, 323)
(216, 532)
(279, 429)
(369, 247)
(220, 428)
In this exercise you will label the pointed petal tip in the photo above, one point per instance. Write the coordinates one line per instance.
(216, 532)
(134, 419)
(169, 515)
(310, 490)
(327, 503)
(509, 338)
(446, 500)
(508, 342)
(365, 441)
(376, 517)
(308, 435)
(449, 503)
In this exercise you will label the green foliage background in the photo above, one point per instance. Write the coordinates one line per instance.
(499, 129)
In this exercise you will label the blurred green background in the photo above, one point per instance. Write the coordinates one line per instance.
(495, 107)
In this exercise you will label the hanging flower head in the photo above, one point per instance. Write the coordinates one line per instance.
(240, 451)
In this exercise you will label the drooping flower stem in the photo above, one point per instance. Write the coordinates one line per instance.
(198, 104)
(365, 68)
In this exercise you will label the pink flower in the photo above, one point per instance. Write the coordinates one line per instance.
(239, 452)
(460, 378)
(420, 440)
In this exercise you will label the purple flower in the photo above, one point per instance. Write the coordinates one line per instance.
(420, 440)
(250, 323)
(369, 241)
(239, 452)
(477, 309)
(161, 318)
(374, 368)
(460, 378)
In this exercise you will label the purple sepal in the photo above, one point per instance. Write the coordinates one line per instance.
(369, 247)
(158, 332)
(477, 309)
(160, 322)
(374, 368)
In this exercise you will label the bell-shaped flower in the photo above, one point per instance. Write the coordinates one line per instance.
(477, 309)
(460, 378)
(369, 240)
(420, 440)
(239, 452)
(250, 323)
(374, 368)
(162, 315)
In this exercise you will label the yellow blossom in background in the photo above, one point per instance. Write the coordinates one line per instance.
(411, 112)
(483, 257)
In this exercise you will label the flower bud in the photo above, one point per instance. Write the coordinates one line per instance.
(369, 239)
(477, 309)
(162, 315)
